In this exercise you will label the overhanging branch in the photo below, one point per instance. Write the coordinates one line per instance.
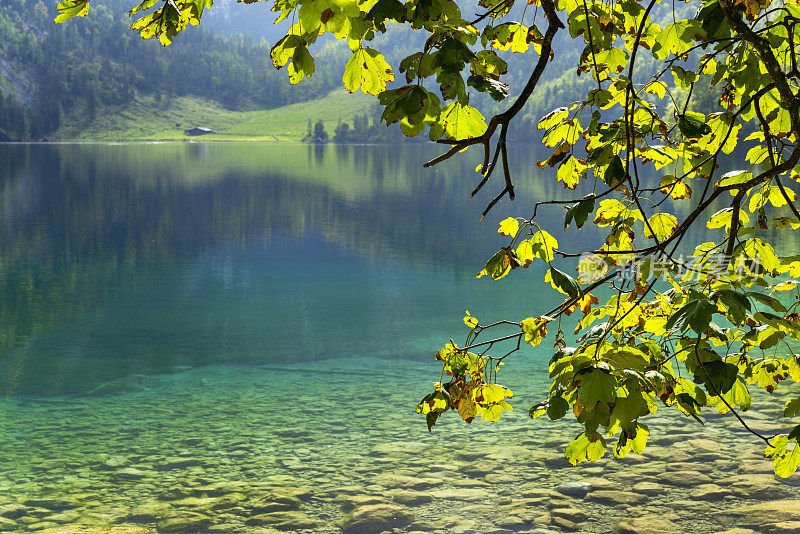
(503, 119)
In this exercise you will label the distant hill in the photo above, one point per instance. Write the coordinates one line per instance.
(47, 70)
(228, 17)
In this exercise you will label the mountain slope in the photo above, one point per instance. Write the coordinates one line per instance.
(147, 119)
(49, 71)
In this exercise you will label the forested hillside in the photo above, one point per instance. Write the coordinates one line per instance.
(48, 70)
(69, 81)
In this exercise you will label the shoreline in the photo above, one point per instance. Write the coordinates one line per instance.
(181, 141)
(411, 141)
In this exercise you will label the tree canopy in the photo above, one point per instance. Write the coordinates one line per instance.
(657, 328)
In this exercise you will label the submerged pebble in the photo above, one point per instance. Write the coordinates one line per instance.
(233, 456)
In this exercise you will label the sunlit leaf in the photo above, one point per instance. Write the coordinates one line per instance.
(571, 171)
(676, 38)
(534, 329)
(508, 226)
(462, 121)
(68, 9)
(596, 385)
(368, 70)
(662, 224)
(498, 265)
(543, 245)
(588, 446)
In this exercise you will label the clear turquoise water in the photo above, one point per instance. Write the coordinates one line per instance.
(269, 313)
(153, 258)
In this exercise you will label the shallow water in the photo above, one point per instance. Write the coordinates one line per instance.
(233, 338)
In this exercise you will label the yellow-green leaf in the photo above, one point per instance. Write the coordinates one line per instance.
(723, 217)
(675, 188)
(552, 118)
(757, 249)
(611, 210)
(588, 446)
(71, 8)
(368, 70)
(498, 265)
(547, 243)
(597, 385)
(508, 226)
(676, 38)
(462, 121)
(571, 171)
(776, 197)
(535, 329)
(470, 321)
(662, 224)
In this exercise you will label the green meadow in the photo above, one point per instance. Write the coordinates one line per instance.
(149, 119)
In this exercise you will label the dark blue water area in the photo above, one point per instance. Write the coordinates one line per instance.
(131, 261)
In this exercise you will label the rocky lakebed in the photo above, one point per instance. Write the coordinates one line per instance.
(334, 447)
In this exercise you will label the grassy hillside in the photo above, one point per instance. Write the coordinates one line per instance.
(147, 119)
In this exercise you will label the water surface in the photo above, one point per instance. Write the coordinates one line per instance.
(233, 337)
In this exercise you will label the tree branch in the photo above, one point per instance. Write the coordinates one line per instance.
(502, 119)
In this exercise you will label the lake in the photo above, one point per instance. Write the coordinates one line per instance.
(232, 338)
